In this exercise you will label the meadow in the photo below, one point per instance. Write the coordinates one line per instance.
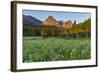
(38, 49)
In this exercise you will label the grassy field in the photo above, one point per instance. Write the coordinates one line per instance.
(36, 49)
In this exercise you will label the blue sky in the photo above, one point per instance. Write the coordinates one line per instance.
(42, 15)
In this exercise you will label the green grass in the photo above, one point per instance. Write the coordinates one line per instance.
(36, 49)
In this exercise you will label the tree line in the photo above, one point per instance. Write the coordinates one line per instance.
(79, 30)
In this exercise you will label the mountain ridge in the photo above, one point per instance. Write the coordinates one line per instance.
(30, 20)
(49, 21)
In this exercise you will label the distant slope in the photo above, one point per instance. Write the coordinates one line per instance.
(30, 20)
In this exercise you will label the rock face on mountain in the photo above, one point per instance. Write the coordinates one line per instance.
(51, 21)
(67, 24)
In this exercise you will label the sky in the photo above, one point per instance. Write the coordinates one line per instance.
(58, 15)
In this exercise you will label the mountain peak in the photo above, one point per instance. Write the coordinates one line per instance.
(50, 21)
(51, 17)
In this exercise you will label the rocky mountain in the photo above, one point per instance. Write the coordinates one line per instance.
(30, 20)
(67, 24)
(51, 21)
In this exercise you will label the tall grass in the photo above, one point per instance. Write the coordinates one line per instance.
(54, 48)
